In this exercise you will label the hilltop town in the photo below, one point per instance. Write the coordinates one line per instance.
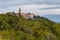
(25, 15)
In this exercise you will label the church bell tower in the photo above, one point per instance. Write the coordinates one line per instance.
(19, 12)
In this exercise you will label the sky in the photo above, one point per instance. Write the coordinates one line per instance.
(39, 7)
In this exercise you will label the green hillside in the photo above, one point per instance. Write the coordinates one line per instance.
(13, 27)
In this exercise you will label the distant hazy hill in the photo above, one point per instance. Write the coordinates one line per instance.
(53, 17)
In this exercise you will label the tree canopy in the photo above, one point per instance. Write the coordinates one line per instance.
(13, 27)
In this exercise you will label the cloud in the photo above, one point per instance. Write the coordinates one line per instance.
(38, 9)
(5, 0)
(48, 8)
(7, 3)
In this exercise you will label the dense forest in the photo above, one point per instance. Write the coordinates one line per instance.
(14, 27)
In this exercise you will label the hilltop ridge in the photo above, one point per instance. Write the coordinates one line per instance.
(14, 27)
(27, 26)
